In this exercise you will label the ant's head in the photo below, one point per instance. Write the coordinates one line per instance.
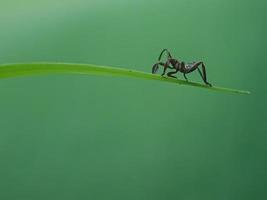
(155, 68)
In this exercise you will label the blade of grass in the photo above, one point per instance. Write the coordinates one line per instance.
(15, 70)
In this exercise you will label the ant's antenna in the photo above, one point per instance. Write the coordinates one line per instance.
(163, 52)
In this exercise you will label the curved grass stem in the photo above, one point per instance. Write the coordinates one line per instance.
(15, 70)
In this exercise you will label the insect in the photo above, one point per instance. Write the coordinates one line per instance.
(181, 66)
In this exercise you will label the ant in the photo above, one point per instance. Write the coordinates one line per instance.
(181, 66)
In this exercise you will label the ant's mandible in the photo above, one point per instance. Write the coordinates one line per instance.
(181, 66)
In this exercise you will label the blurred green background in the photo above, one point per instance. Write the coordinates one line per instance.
(94, 137)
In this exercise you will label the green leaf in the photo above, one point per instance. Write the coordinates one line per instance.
(15, 70)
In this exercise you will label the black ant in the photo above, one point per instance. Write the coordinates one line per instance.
(181, 66)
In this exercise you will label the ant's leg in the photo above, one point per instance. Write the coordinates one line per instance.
(170, 74)
(174, 65)
(166, 65)
(203, 77)
(184, 70)
(185, 77)
(203, 74)
(199, 71)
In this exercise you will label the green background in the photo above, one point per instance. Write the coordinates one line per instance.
(94, 137)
